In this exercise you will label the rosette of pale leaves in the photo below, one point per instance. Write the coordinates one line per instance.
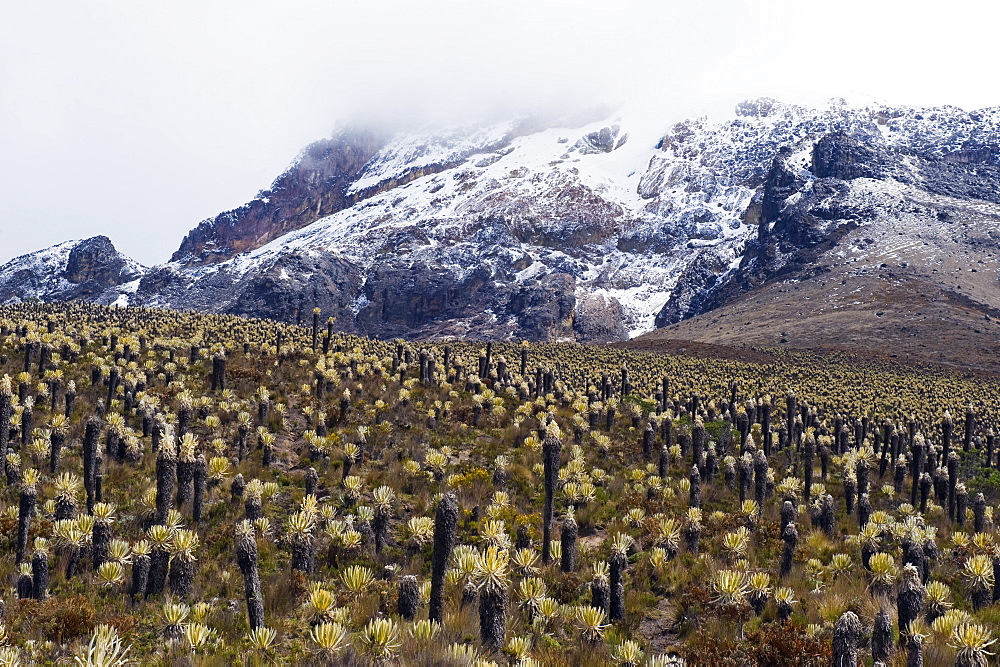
(418, 531)
(111, 573)
(198, 635)
(628, 653)
(593, 622)
(525, 562)
(518, 648)
(357, 578)
(883, 571)
(329, 638)
(937, 601)
(972, 640)
(104, 648)
(978, 571)
(424, 631)
(952, 619)
(491, 569)
(736, 543)
(730, 588)
(380, 638)
(841, 564)
(262, 638)
(668, 533)
(320, 606)
(785, 595)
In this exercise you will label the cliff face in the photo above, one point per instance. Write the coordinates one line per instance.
(96, 261)
(312, 188)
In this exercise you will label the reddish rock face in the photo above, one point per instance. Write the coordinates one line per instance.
(317, 185)
(314, 187)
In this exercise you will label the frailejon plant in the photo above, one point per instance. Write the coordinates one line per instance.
(166, 476)
(620, 544)
(104, 648)
(161, 540)
(182, 560)
(140, 569)
(882, 637)
(146, 383)
(909, 599)
(568, 538)
(379, 639)
(40, 569)
(330, 640)
(247, 560)
(971, 640)
(104, 516)
(408, 597)
(26, 509)
(978, 571)
(492, 579)
(384, 498)
(445, 527)
(846, 638)
(551, 449)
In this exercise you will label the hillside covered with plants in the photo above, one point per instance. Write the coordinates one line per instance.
(189, 489)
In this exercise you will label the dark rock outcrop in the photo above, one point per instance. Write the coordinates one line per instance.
(693, 289)
(779, 185)
(290, 289)
(604, 140)
(792, 233)
(398, 299)
(403, 298)
(96, 259)
(599, 318)
(840, 155)
(87, 270)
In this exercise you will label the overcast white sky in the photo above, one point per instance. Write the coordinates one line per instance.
(137, 119)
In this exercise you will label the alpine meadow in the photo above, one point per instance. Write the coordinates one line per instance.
(204, 489)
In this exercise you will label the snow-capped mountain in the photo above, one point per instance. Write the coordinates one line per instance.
(828, 179)
(88, 270)
(562, 230)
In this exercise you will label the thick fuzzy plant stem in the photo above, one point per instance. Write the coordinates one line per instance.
(445, 528)
(846, 637)
(246, 558)
(551, 449)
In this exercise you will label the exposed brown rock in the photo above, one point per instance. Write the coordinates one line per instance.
(315, 186)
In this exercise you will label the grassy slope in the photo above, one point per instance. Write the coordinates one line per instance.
(912, 287)
(668, 607)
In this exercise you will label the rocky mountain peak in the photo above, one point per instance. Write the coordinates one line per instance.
(88, 270)
(589, 232)
(872, 174)
(314, 186)
(592, 230)
(96, 260)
